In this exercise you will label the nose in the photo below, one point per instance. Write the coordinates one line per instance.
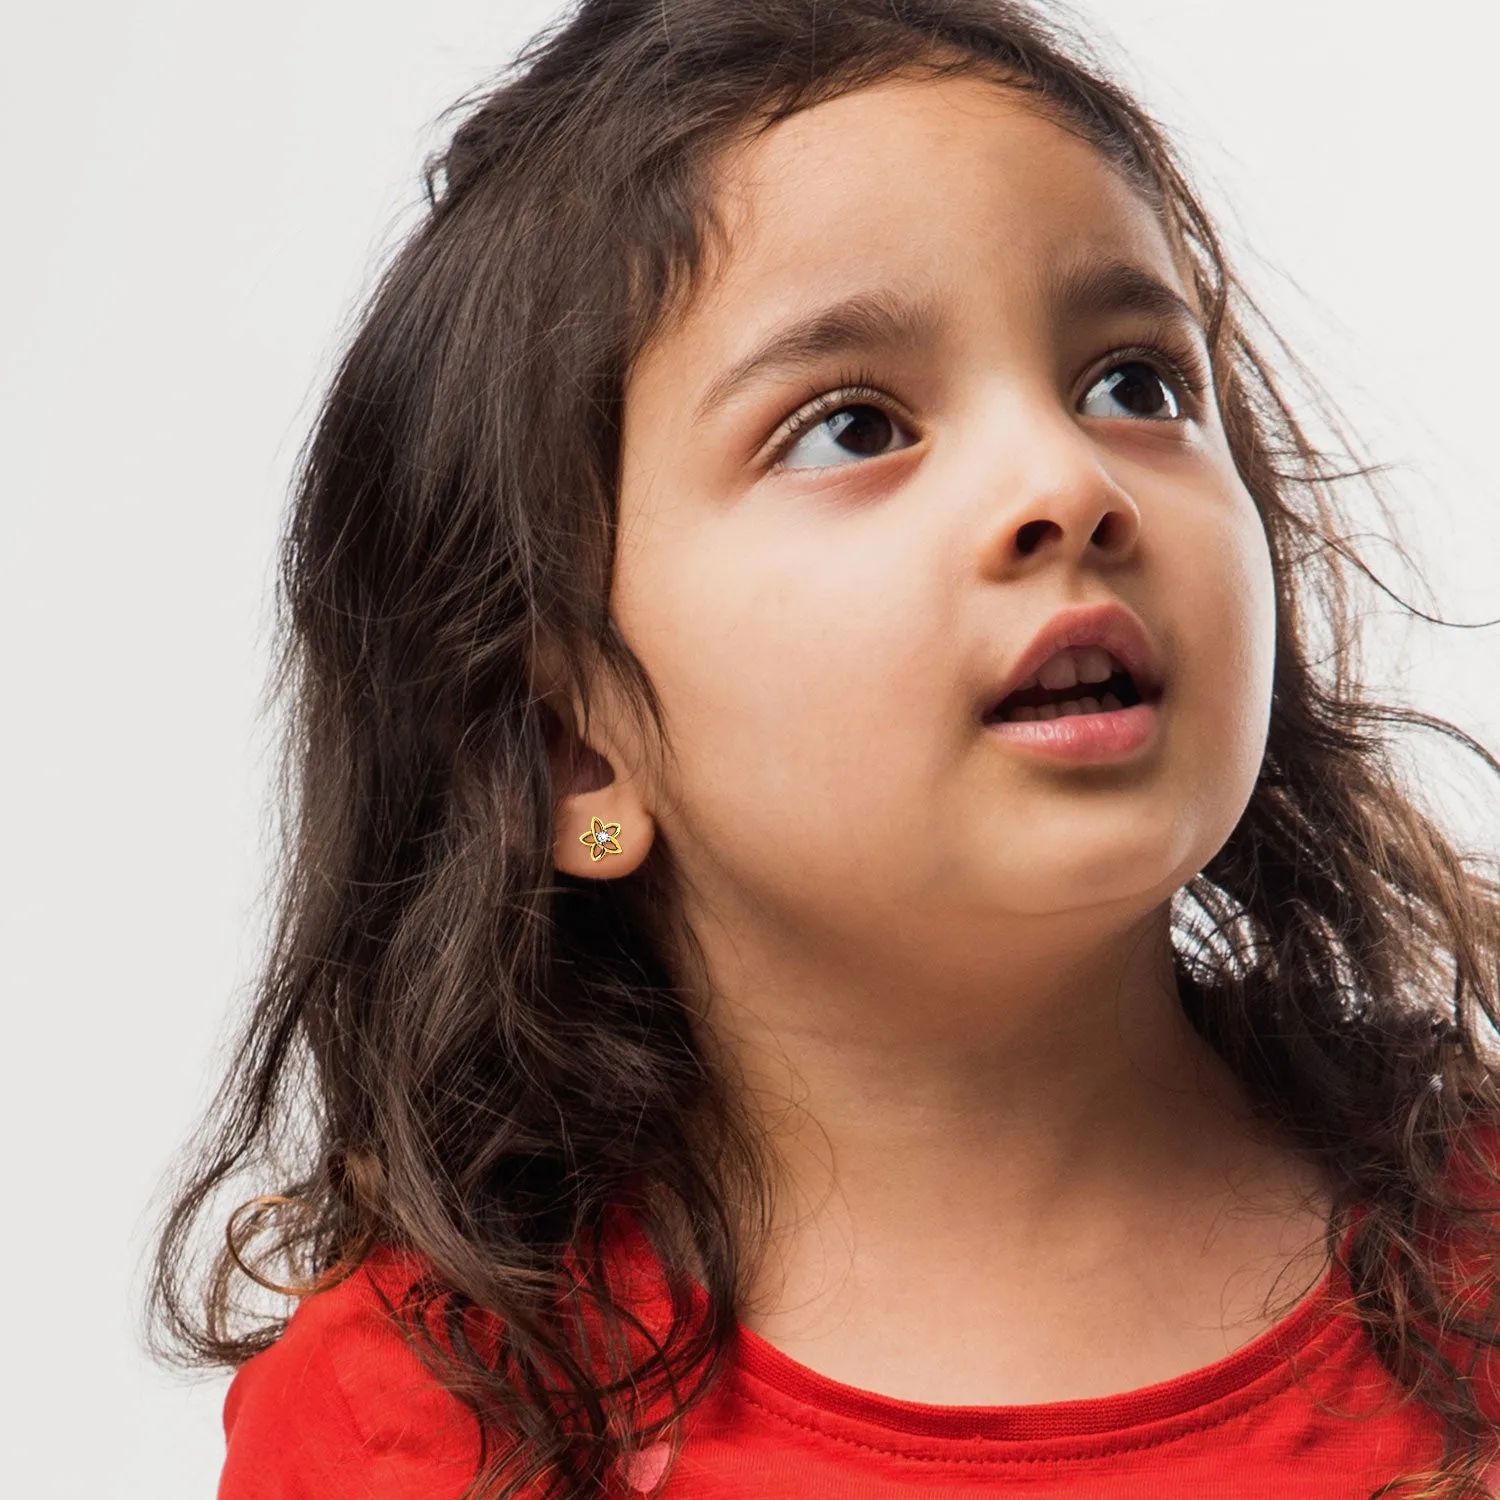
(1060, 503)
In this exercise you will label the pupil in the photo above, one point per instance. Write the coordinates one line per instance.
(864, 430)
(1138, 388)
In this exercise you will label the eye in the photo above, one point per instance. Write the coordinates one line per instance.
(1132, 389)
(846, 434)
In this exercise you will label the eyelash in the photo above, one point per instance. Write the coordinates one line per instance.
(853, 388)
(1175, 359)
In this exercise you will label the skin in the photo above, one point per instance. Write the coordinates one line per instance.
(936, 965)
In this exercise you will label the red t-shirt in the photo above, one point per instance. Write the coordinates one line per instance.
(341, 1409)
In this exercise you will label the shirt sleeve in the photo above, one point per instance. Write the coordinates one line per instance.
(340, 1408)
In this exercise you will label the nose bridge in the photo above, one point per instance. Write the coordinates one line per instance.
(1053, 492)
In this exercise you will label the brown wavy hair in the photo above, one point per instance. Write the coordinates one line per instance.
(456, 1049)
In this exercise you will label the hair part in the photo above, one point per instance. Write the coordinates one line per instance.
(457, 1050)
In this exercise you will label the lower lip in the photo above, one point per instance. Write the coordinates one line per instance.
(1082, 737)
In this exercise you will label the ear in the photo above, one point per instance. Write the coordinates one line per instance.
(602, 826)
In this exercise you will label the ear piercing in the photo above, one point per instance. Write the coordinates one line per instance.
(602, 839)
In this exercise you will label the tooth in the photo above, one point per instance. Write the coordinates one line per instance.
(1093, 663)
(1047, 711)
(1022, 713)
(1058, 672)
(1021, 687)
(1089, 705)
(1109, 703)
(1070, 709)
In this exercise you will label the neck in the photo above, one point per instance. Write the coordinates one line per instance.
(1050, 1103)
(1041, 1049)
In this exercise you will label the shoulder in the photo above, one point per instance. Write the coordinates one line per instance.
(341, 1407)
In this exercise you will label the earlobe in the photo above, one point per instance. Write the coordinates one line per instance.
(602, 828)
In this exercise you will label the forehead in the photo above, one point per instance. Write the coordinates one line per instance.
(956, 187)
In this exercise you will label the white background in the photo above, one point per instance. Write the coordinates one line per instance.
(194, 197)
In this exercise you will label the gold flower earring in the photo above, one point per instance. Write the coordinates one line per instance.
(602, 839)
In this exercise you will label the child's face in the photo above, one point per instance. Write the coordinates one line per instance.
(827, 623)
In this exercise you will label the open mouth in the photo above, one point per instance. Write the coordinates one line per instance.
(1081, 680)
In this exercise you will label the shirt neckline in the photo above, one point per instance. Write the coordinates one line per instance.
(1302, 1337)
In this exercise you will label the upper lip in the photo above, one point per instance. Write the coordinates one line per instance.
(1111, 626)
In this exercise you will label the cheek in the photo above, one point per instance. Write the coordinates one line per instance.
(793, 677)
(1226, 700)
(1254, 589)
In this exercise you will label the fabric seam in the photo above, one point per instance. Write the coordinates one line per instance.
(1235, 1408)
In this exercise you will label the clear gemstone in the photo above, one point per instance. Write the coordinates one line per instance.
(601, 837)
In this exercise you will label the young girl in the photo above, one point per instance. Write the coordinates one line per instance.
(850, 930)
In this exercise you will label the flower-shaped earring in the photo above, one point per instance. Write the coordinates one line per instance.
(602, 839)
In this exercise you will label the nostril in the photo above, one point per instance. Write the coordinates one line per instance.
(1108, 532)
(1033, 534)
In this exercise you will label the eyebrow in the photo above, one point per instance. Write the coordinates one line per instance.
(865, 322)
(1091, 288)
